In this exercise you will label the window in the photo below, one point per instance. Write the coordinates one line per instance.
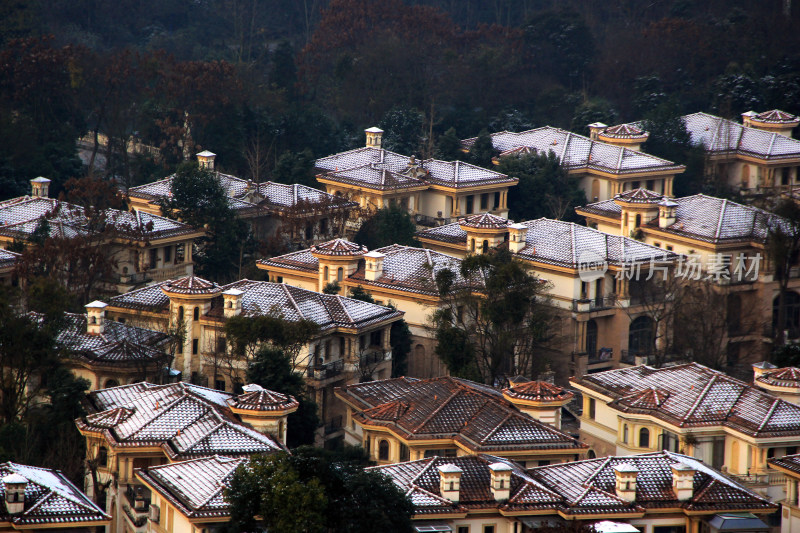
(238, 388)
(219, 383)
(376, 338)
(111, 383)
(470, 204)
(222, 345)
(544, 462)
(625, 433)
(405, 454)
(309, 233)
(180, 253)
(323, 226)
(488, 529)
(167, 254)
(462, 529)
(638, 220)
(669, 247)
(791, 302)
(472, 245)
(485, 246)
(195, 346)
(383, 450)
(785, 176)
(644, 438)
(180, 314)
(496, 200)
(484, 201)
(592, 408)
(658, 244)
(651, 185)
(640, 336)
(591, 337)
(340, 274)
(325, 273)
(102, 456)
(153, 257)
(196, 314)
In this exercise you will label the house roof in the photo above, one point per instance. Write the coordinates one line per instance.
(196, 487)
(473, 415)
(8, 259)
(788, 462)
(588, 487)
(565, 244)
(776, 116)
(119, 344)
(20, 218)
(692, 396)
(377, 168)
(704, 218)
(485, 221)
(247, 197)
(576, 488)
(577, 152)
(788, 377)
(51, 500)
(257, 398)
(420, 481)
(276, 299)
(193, 285)
(720, 135)
(405, 268)
(338, 247)
(539, 391)
(624, 131)
(185, 420)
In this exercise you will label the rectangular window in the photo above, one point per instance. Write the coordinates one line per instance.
(219, 384)
(362, 342)
(658, 244)
(470, 204)
(195, 346)
(592, 408)
(180, 253)
(222, 345)
(484, 201)
(488, 529)
(376, 338)
(496, 200)
(167, 254)
(651, 185)
(153, 257)
(669, 247)
(462, 529)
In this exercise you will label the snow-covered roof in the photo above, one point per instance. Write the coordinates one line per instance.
(274, 299)
(473, 415)
(8, 260)
(693, 395)
(577, 152)
(719, 135)
(185, 420)
(51, 500)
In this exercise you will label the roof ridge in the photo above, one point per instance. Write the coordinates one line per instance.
(771, 143)
(291, 299)
(721, 218)
(700, 398)
(350, 318)
(599, 469)
(505, 419)
(436, 411)
(769, 414)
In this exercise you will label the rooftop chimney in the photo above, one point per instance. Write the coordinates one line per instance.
(747, 118)
(595, 128)
(14, 485)
(95, 317)
(374, 268)
(683, 481)
(500, 481)
(40, 187)
(450, 482)
(517, 235)
(626, 481)
(232, 299)
(374, 136)
(666, 213)
(206, 159)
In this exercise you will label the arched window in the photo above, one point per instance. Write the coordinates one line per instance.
(196, 314)
(625, 433)
(93, 320)
(590, 454)
(638, 220)
(644, 438)
(325, 273)
(383, 450)
(102, 456)
(238, 386)
(595, 190)
(485, 246)
(180, 314)
(745, 176)
(640, 336)
(472, 245)
(591, 337)
(791, 302)
(111, 383)
(340, 274)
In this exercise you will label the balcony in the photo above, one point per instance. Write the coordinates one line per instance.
(371, 358)
(136, 506)
(327, 370)
(170, 272)
(594, 304)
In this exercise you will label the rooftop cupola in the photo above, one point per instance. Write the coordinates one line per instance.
(683, 481)
(500, 479)
(374, 265)
(639, 207)
(774, 121)
(337, 259)
(205, 159)
(232, 299)
(625, 485)
(624, 135)
(517, 237)
(595, 128)
(450, 482)
(14, 486)
(374, 137)
(95, 317)
(539, 399)
(484, 232)
(40, 187)
(265, 410)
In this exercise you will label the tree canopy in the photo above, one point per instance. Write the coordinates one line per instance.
(388, 225)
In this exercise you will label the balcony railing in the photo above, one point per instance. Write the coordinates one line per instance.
(371, 358)
(327, 370)
(594, 304)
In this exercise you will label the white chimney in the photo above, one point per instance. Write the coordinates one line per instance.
(14, 485)
(747, 116)
(500, 481)
(667, 213)
(374, 136)
(626, 481)
(206, 159)
(40, 187)
(232, 300)
(95, 317)
(683, 481)
(517, 236)
(450, 482)
(374, 265)
(595, 128)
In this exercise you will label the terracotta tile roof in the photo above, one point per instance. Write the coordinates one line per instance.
(338, 247)
(196, 487)
(624, 131)
(377, 168)
(692, 395)
(184, 420)
(639, 196)
(420, 481)
(588, 487)
(190, 285)
(247, 197)
(20, 217)
(8, 259)
(474, 415)
(706, 218)
(776, 116)
(257, 398)
(788, 462)
(485, 221)
(51, 500)
(781, 377)
(720, 135)
(540, 391)
(577, 152)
